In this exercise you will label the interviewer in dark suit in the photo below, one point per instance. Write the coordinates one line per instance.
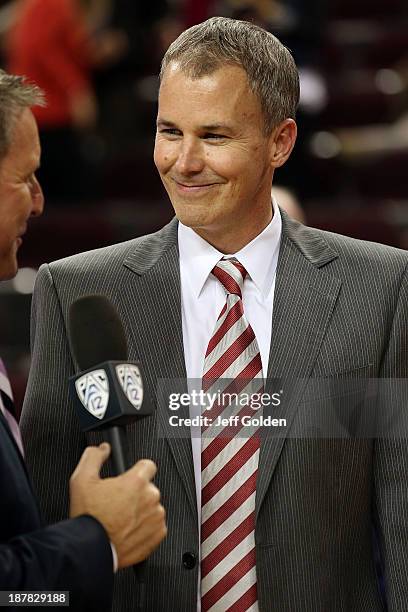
(116, 521)
(321, 306)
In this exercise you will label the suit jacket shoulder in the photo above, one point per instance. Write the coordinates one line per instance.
(321, 247)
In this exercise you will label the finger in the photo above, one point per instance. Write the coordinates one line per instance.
(92, 460)
(153, 537)
(152, 518)
(153, 493)
(144, 468)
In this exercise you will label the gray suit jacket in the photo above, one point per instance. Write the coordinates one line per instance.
(340, 309)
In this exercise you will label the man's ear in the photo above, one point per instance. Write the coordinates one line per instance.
(282, 141)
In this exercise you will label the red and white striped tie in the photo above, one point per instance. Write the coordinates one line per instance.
(229, 459)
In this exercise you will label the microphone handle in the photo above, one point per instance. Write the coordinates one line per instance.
(116, 436)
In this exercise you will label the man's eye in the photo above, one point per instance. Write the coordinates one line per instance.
(31, 182)
(211, 136)
(170, 132)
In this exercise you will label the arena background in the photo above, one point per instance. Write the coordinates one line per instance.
(348, 171)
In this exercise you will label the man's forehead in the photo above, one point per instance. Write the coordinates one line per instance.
(215, 101)
(177, 72)
(224, 89)
(24, 150)
(23, 126)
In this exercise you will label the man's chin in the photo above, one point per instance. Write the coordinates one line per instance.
(192, 218)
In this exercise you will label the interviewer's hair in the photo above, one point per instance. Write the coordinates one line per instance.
(269, 65)
(15, 95)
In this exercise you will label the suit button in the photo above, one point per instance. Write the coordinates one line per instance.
(189, 560)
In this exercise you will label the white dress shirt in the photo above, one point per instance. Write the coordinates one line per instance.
(203, 297)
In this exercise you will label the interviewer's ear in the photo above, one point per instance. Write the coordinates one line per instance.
(283, 140)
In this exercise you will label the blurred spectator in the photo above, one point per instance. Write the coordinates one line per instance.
(51, 43)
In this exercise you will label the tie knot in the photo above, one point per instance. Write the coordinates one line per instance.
(231, 275)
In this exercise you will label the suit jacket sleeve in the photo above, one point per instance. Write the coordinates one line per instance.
(73, 555)
(391, 468)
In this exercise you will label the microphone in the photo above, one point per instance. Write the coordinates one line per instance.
(108, 391)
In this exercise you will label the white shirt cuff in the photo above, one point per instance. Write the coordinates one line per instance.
(114, 558)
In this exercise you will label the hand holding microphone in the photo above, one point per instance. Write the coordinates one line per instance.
(128, 506)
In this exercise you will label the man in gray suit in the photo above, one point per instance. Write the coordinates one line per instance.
(315, 305)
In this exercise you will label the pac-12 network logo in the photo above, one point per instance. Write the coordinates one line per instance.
(131, 382)
(93, 391)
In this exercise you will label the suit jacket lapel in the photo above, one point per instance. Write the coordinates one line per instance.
(305, 297)
(157, 264)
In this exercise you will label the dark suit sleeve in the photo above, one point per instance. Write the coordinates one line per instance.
(74, 555)
(391, 467)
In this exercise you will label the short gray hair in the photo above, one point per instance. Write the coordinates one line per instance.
(15, 95)
(269, 65)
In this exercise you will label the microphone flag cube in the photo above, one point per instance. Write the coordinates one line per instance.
(109, 394)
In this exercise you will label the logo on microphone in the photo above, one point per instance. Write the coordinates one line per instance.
(93, 391)
(130, 380)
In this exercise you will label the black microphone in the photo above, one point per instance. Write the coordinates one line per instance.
(108, 391)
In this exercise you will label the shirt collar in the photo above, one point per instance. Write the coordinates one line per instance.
(259, 257)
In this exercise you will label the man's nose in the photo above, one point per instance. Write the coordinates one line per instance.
(190, 158)
(37, 198)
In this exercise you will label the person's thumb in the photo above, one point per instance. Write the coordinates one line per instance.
(92, 461)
